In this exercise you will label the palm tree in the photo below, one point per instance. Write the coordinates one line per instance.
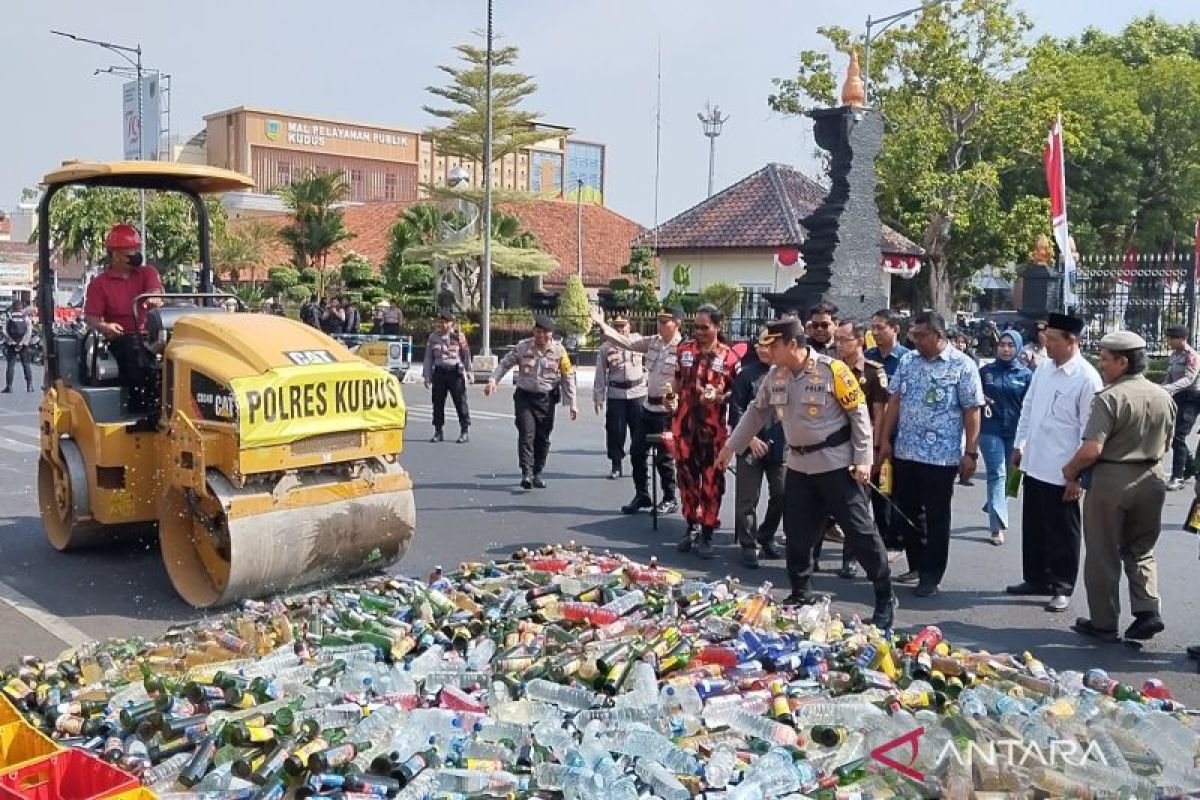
(317, 226)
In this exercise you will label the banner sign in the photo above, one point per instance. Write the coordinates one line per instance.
(141, 144)
(286, 404)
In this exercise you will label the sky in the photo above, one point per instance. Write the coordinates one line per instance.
(594, 62)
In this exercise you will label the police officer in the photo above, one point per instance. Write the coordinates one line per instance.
(828, 429)
(544, 376)
(1128, 432)
(621, 383)
(661, 351)
(1182, 382)
(448, 370)
(18, 331)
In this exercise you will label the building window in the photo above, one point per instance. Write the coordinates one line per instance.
(283, 172)
(390, 182)
(356, 184)
(753, 310)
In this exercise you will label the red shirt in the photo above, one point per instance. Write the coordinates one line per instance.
(110, 296)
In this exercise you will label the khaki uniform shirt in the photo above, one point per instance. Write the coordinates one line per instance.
(661, 361)
(872, 377)
(540, 371)
(819, 401)
(447, 351)
(1133, 420)
(620, 374)
(1183, 371)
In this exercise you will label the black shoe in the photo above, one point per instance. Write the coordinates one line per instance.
(669, 506)
(463, 438)
(1146, 625)
(883, 616)
(848, 571)
(704, 547)
(616, 471)
(1084, 626)
(639, 502)
(6, 390)
(926, 590)
(538, 483)
(526, 483)
(437, 437)
(800, 597)
(1059, 602)
(1027, 589)
(685, 544)
(750, 557)
(769, 550)
(1193, 651)
(29, 387)
(908, 577)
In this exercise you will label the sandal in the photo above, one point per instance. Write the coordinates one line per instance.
(998, 538)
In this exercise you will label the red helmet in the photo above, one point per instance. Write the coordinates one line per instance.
(123, 237)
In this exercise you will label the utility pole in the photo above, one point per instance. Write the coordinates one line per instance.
(711, 123)
(485, 317)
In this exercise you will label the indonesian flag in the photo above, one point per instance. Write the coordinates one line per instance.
(1056, 181)
(788, 258)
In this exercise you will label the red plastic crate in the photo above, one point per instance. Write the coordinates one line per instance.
(67, 775)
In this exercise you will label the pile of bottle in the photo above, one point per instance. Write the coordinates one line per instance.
(568, 673)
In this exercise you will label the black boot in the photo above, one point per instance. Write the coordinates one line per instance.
(704, 547)
(640, 501)
(463, 436)
(437, 436)
(526, 481)
(616, 471)
(6, 390)
(884, 613)
(685, 544)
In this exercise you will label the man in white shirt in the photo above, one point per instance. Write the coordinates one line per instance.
(1053, 417)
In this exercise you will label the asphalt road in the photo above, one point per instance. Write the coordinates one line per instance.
(469, 507)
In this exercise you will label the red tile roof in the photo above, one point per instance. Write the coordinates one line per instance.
(762, 210)
(606, 235)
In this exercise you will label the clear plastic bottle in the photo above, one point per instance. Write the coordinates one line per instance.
(131, 694)
(342, 715)
(775, 772)
(834, 713)
(435, 681)
(379, 724)
(644, 743)
(682, 699)
(626, 602)
(661, 779)
(493, 730)
(161, 776)
(473, 782)
(564, 696)
(768, 730)
(480, 653)
(718, 772)
(641, 687)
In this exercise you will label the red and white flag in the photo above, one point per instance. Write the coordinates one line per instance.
(1056, 181)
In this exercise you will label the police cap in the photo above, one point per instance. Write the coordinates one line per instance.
(786, 328)
(1065, 323)
(1123, 340)
(543, 322)
(1176, 332)
(672, 311)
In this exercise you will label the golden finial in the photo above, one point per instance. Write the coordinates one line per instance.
(854, 91)
(1043, 253)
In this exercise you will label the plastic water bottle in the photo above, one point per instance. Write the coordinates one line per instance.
(768, 730)
(641, 687)
(626, 602)
(342, 715)
(472, 782)
(653, 745)
(719, 769)
(682, 699)
(565, 696)
(774, 772)
(831, 713)
(661, 779)
(480, 653)
(162, 776)
(378, 724)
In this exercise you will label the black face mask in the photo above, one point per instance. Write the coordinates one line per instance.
(135, 259)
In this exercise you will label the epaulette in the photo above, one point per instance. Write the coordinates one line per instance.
(872, 363)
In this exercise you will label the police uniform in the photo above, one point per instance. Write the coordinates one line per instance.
(543, 377)
(18, 332)
(447, 364)
(1133, 421)
(659, 364)
(1182, 382)
(828, 429)
(619, 385)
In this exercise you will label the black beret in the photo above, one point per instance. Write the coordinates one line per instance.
(543, 322)
(1176, 332)
(1063, 322)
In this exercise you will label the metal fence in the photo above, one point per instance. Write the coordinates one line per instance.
(1140, 292)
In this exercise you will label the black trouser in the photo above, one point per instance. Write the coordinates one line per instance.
(622, 414)
(535, 421)
(390, 328)
(132, 357)
(1051, 533)
(450, 380)
(747, 490)
(13, 354)
(923, 492)
(1185, 417)
(652, 422)
(809, 501)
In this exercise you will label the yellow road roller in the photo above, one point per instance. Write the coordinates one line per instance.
(269, 457)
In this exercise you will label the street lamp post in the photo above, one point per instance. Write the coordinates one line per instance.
(123, 51)
(711, 123)
(884, 23)
(485, 318)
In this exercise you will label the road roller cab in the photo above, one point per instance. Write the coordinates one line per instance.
(270, 456)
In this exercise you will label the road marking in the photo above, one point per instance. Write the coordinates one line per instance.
(30, 431)
(427, 411)
(17, 447)
(55, 626)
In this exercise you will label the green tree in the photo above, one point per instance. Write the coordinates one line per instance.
(725, 296)
(573, 308)
(952, 132)
(283, 278)
(464, 133)
(242, 249)
(317, 225)
(80, 218)
(356, 271)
